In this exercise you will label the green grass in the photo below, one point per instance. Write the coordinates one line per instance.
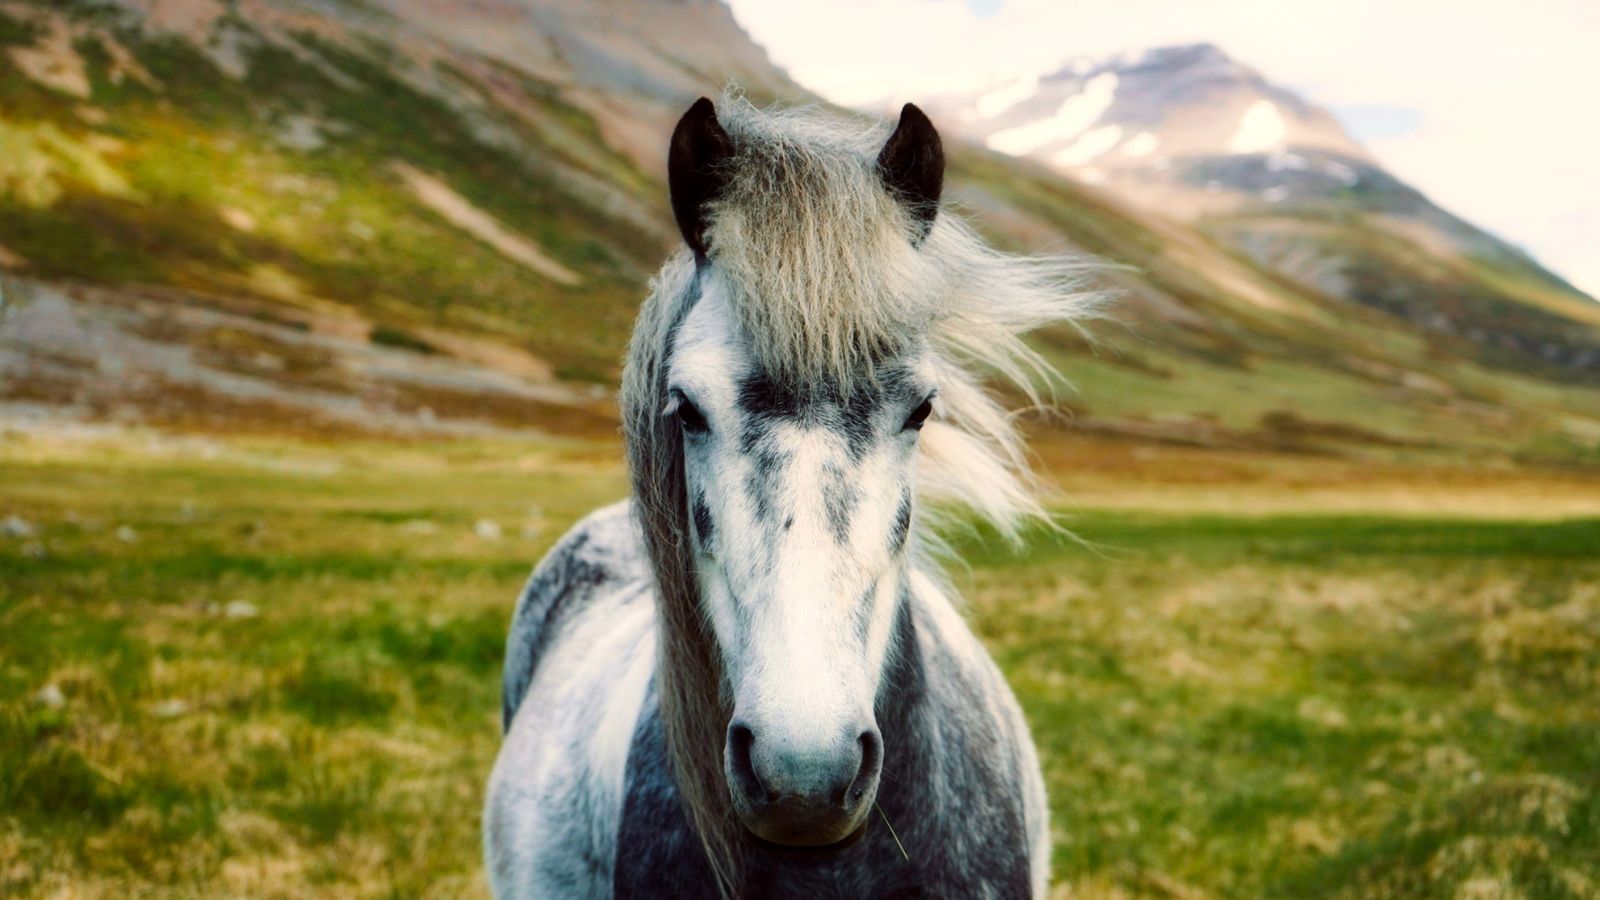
(335, 741)
(1283, 705)
(1312, 705)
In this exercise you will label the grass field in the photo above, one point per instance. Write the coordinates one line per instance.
(250, 667)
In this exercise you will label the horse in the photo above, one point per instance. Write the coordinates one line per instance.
(750, 679)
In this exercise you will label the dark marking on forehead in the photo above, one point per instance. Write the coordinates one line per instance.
(825, 403)
(840, 499)
(703, 526)
(855, 416)
(766, 462)
(763, 397)
(759, 487)
(902, 523)
(752, 433)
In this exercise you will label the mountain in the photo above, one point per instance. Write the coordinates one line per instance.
(425, 216)
(361, 156)
(1145, 118)
(1190, 133)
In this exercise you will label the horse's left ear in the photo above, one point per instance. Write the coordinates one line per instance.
(912, 165)
(700, 148)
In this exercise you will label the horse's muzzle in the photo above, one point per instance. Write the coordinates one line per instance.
(802, 797)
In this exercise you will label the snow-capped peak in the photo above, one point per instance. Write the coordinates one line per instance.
(1165, 122)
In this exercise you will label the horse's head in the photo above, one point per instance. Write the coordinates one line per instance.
(799, 448)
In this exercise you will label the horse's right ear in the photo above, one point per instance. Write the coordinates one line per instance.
(911, 164)
(695, 169)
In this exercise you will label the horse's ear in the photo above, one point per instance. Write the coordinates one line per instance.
(912, 165)
(695, 176)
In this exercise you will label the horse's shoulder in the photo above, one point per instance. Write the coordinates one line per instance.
(578, 662)
(601, 553)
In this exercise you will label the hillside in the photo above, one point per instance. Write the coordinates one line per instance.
(396, 215)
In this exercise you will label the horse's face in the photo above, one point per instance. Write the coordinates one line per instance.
(800, 504)
(799, 492)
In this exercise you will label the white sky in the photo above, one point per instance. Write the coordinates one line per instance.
(1490, 108)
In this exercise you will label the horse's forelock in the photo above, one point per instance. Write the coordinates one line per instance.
(813, 252)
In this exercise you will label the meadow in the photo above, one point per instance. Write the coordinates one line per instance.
(261, 667)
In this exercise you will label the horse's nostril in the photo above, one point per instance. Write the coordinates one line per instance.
(740, 740)
(740, 737)
(871, 751)
(866, 777)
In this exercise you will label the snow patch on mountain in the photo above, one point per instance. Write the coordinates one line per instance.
(1287, 162)
(1342, 172)
(1261, 129)
(1090, 146)
(1003, 98)
(1144, 144)
(1077, 114)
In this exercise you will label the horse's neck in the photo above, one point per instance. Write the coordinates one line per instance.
(904, 685)
(903, 698)
(932, 707)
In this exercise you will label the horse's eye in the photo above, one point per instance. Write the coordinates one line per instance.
(690, 417)
(919, 416)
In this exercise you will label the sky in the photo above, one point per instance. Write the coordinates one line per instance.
(1490, 108)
